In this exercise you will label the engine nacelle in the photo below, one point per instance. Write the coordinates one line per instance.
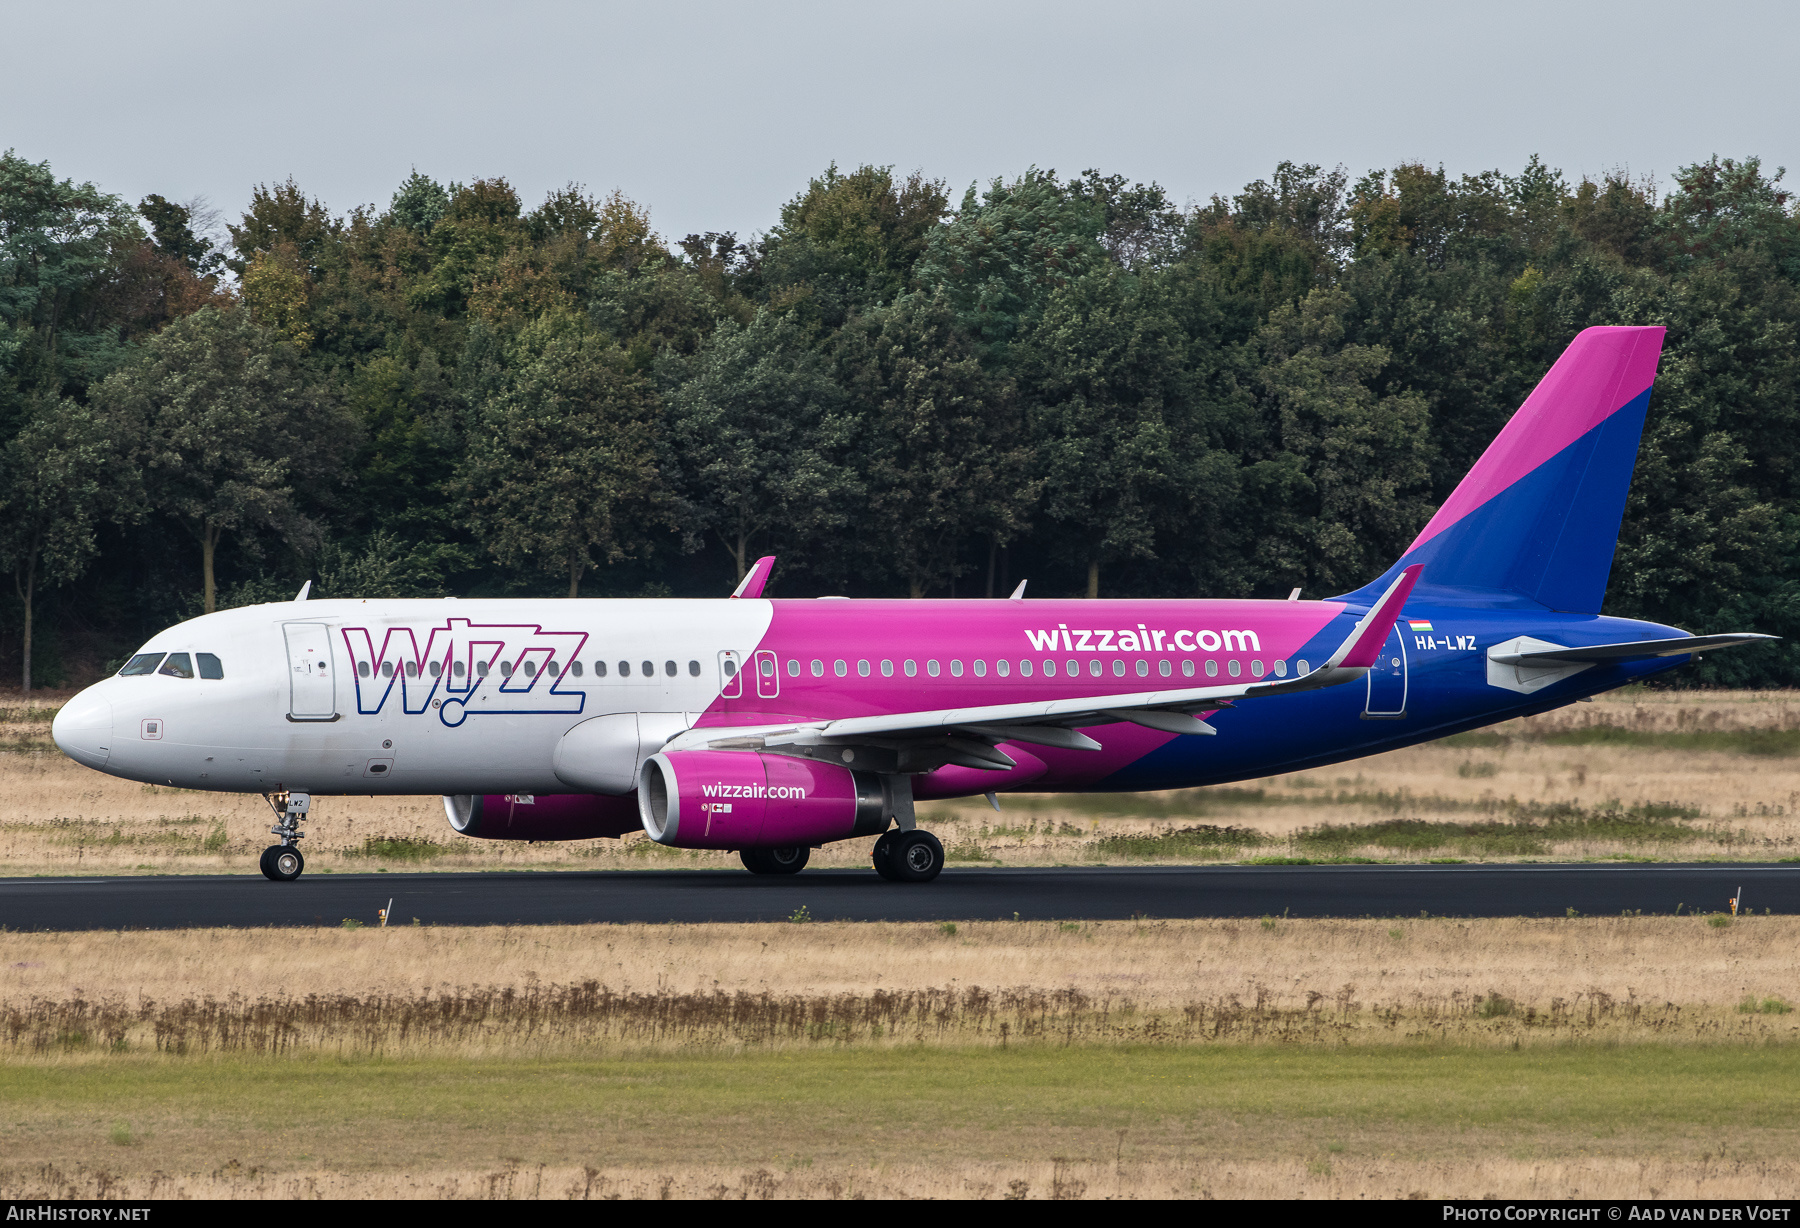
(736, 799)
(545, 816)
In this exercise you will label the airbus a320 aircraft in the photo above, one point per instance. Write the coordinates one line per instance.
(773, 727)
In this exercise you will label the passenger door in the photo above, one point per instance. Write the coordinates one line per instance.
(1387, 681)
(312, 694)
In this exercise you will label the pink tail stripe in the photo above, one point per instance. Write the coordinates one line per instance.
(1602, 371)
(1381, 620)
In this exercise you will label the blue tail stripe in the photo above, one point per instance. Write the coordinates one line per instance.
(1550, 537)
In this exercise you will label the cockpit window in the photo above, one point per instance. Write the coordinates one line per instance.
(143, 663)
(179, 665)
(210, 666)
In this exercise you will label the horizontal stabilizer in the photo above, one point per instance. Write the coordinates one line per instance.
(1635, 650)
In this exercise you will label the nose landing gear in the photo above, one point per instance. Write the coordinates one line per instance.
(282, 863)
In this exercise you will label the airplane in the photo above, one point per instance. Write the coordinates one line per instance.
(772, 727)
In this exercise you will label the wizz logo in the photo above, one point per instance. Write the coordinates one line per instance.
(465, 667)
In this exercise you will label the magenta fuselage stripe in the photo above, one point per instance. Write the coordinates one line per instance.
(1602, 371)
(956, 635)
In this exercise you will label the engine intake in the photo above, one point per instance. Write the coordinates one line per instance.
(545, 816)
(735, 799)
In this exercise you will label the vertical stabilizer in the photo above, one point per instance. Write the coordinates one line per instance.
(1538, 516)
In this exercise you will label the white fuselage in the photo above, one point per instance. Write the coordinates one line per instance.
(402, 697)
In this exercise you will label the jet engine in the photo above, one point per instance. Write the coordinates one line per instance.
(738, 799)
(545, 816)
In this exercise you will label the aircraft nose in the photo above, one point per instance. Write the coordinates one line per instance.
(83, 729)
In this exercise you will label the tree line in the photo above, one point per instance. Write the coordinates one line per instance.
(1072, 379)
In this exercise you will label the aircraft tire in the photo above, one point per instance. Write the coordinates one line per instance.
(775, 861)
(281, 864)
(917, 857)
(883, 857)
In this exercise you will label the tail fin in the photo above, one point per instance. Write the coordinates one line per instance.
(1538, 516)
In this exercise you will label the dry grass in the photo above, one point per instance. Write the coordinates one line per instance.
(560, 990)
(1332, 1176)
(1590, 1057)
(1665, 775)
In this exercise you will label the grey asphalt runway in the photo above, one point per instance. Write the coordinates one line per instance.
(1065, 893)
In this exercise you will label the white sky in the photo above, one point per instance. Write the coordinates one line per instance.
(713, 114)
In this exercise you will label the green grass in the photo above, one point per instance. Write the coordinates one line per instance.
(1197, 841)
(1518, 829)
(400, 848)
(835, 1105)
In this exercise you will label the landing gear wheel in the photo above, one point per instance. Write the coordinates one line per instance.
(282, 864)
(883, 857)
(917, 857)
(775, 861)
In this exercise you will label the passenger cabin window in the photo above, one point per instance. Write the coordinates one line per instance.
(669, 669)
(143, 663)
(599, 669)
(649, 669)
(575, 667)
(693, 669)
(457, 669)
(211, 667)
(178, 665)
(624, 669)
(730, 668)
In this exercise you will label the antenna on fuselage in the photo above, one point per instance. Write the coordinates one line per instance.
(304, 589)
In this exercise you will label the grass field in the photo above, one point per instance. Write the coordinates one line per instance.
(1085, 1121)
(1644, 774)
(1640, 1055)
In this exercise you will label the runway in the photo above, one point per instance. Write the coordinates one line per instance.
(1061, 893)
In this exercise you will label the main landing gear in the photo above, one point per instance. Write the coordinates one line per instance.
(908, 856)
(282, 862)
(775, 861)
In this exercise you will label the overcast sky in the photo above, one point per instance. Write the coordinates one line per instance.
(713, 114)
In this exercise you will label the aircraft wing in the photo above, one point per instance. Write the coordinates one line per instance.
(1635, 650)
(970, 736)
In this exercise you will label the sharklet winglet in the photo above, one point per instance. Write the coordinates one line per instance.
(1363, 644)
(754, 579)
